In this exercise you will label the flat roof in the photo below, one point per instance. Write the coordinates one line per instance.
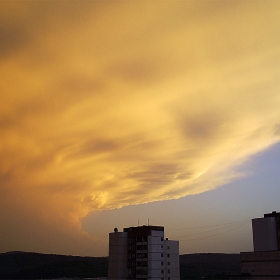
(272, 214)
(143, 230)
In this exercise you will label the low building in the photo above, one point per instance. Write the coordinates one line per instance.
(143, 253)
(261, 265)
(264, 262)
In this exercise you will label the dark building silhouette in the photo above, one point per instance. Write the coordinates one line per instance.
(264, 262)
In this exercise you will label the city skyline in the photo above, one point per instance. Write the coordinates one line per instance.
(119, 112)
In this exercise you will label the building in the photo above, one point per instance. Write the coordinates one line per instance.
(143, 253)
(266, 232)
(264, 262)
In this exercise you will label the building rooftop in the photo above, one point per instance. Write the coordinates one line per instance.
(143, 230)
(272, 214)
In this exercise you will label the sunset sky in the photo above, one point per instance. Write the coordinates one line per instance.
(119, 113)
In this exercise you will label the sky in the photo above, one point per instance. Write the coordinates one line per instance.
(124, 113)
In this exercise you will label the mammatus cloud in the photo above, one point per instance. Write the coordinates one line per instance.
(119, 103)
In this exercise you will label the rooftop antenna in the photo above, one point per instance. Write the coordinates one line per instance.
(148, 221)
(138, 222)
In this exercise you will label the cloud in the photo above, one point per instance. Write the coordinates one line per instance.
(106, 105)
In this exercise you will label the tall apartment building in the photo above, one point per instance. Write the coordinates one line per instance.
(266, 232)
(143, 253)
(264, 262)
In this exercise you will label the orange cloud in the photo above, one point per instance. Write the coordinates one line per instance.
(118, 103)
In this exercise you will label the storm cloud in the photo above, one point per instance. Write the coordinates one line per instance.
(111, 104)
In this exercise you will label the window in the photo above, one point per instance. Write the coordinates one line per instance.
(168, 256)
(161, 263)
(161, 255)
(168, 263)
(168, 271)
(162, 239)
(168, 247)
(161, 271)
(131, 239)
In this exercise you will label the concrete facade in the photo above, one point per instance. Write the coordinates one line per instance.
(264, 262)
(261, 265)
(117, 255)
(143, 253)
(172, 259)
(266, 232)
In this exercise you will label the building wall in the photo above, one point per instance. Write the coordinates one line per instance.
(172, 264)
(264, 234)
(143, 246)
(117, 266)
(264, 262)
(156, 255)
(261, 265)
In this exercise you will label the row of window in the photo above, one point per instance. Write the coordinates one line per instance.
(138, 247)
(144, 272)
(143, 255)
(142, 247)
(143, 263)
(168, 255)
(138, 239)
(141, 271)
(138, 255)
(134, 239)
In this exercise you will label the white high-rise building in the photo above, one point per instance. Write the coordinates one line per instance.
(143, 253)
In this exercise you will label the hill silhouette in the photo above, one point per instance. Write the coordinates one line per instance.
(209, 266)
(25, 265)
(29, 265)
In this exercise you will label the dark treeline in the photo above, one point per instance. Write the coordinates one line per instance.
(23, 265)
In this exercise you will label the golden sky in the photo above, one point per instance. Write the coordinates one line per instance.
(113, 103)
